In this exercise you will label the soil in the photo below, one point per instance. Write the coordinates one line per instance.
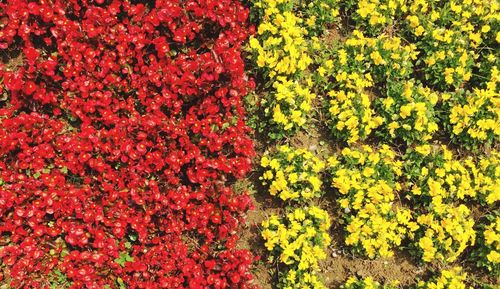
(339, 268)
(12, 59)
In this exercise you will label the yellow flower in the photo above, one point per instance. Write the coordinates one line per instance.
(321, 70)
(419, 30)
(424, 150)
(315, 182)
(388, 102)
(405, 111)
(428, 248)
(278, 116)
(264, 162)
(377, 58)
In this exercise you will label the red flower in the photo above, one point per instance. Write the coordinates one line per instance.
(121, 126)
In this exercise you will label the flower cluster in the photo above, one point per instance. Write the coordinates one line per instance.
(452, 278)
(292, 174)
(437, 182)
(352, 115)
(437, 176)
(300, 240)
(474, 115)
(343, 73)
(282, 48)
(444, 233)
(409, 112)
(452, 38)
(487, 178)
(374, 16)
(487, 255)
(290, 105)
(318, 14)
(120, 122)
(366, 179)
(367, 283)
(352, 72)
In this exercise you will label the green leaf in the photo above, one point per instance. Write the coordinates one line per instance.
(124, 258)
(58, 280)
(133, 237)
(64, 170)
(36, 175)
(120, 283)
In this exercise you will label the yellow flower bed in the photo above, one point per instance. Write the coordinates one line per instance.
(367, 182)
(451, 35)
(434, 172)
(280, 43)
(282, 48)
(413, 74)
(474, 116)
(380, 83)
(487, 254)
(289, 106)
(492, 241)
(299, 240)
(292, 174)
(444, 233)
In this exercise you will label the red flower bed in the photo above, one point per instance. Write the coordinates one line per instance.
(121, 127)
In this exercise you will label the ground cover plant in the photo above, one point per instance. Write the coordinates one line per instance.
(400, 101)
(249, 144)
(121, 128)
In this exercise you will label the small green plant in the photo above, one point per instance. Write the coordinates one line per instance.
(58, 280)
(124, 258)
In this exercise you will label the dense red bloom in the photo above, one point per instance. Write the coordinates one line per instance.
(122, 125)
